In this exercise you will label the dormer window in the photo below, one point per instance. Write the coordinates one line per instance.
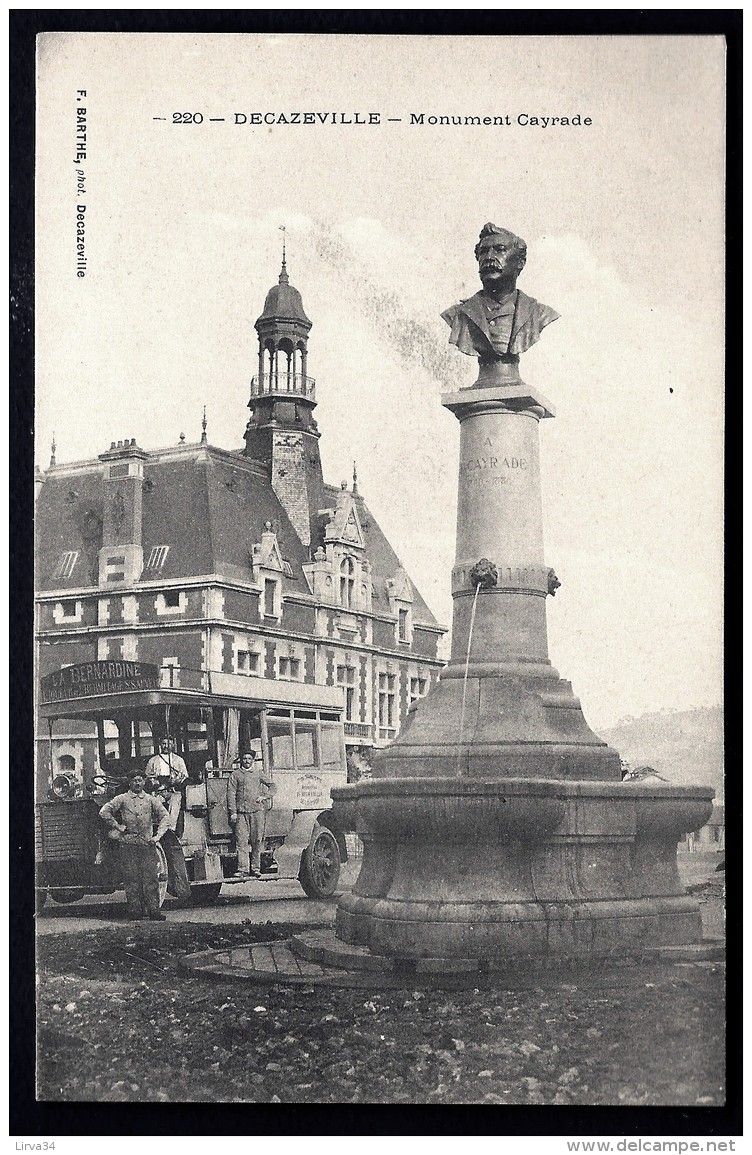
(157, 557)
(66, 564)
(347, 583)
(270, 597)
(404, 631)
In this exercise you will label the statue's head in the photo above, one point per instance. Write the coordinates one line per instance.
(501, 257)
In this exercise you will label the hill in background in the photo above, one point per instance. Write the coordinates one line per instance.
(686, 747)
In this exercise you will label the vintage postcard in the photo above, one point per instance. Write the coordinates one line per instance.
(378, 634)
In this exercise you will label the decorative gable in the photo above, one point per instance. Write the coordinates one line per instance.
(344, 527)
(265, 554)
(400, 588)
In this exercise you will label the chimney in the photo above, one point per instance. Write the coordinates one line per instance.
(121, 558)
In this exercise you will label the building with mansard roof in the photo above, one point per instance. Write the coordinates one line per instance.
(243, 561)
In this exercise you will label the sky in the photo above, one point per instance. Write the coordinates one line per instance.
(624, 224)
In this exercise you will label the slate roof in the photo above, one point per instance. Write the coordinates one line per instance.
(209, 506)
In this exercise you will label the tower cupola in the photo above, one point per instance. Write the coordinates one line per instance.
(282, 433)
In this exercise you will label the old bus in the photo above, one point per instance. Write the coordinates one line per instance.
(296, 729)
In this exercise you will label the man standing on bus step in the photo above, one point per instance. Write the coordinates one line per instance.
(131, 817)
(245, 803)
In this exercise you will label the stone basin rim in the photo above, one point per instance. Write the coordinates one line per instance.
(547, 787)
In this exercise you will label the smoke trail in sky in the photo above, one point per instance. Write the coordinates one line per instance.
(406, 333)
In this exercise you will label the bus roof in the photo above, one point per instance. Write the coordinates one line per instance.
(69, 698)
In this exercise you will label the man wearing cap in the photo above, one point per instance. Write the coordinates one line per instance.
(247, 789)
(179, 884)
(131, 818)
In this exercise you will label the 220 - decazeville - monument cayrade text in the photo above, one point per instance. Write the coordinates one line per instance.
(421, 119)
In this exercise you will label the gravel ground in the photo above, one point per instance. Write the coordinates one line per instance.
(117, 1021)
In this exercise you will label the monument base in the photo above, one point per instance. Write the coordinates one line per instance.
(517, 719)
(526, 867)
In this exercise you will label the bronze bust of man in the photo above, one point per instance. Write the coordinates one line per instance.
(499, 322)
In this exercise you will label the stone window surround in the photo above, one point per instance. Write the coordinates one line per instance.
(245, 644)
(386, 693)
(414, 692)
(292, 652)
(163, 610)
(270, 576)
(346, 673)
(406, 608)
(59, 616)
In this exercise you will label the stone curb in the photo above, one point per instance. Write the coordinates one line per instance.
(281, 962)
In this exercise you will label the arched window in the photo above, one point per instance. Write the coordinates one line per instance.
(66, 764)
(347, 583)
(285, 366)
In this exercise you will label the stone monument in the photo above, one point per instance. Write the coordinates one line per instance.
(497, 826)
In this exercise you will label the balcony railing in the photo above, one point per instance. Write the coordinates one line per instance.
(283, 382)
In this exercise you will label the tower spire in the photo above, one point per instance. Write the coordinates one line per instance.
(203, 427)
(53, 450)
(283, 277)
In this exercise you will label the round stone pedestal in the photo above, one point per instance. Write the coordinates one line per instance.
(481, 870)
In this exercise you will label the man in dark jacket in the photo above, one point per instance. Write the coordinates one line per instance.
(247, 789)
(499, 322)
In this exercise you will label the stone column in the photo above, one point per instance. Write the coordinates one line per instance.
(500, 710)
(499, 518)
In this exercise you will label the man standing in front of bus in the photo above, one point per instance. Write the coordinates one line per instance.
(245, 803)
(131, 817)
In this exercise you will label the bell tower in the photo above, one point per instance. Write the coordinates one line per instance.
(281, 431)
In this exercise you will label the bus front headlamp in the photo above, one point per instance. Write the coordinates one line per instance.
(63, 786)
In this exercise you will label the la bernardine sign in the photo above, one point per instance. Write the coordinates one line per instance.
(91, 678)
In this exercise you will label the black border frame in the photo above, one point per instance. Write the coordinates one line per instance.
(29, 1118)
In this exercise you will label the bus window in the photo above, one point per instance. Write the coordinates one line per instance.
(280, 744)
(145, 740)
(306, 745)
(331, 747)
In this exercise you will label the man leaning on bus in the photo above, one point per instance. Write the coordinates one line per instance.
(247, 811)
(131, 817)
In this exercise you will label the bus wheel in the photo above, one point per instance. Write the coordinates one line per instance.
(40, 897)
(66, 894)
(202, 893)
(319, 866)
(162, 873)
